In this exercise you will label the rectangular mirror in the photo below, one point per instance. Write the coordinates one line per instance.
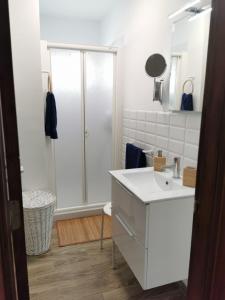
(190, 34)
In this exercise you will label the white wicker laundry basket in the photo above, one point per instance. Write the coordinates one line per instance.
(38, 209)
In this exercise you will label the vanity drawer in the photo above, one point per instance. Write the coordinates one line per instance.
(133, 251)
(131, 210)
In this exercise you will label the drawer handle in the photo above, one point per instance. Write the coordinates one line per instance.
(125, 189)
(125, 226)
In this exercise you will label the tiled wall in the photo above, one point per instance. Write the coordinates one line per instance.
(177, 134)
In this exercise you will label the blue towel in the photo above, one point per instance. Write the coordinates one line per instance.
(135, 158)
(51, 117)
(187, 102)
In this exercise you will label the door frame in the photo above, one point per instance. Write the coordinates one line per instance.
(86, 208)
(13, 263)
(207, 271)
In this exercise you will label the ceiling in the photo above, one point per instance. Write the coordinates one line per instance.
(84, 9)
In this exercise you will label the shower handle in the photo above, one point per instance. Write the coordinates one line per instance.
(86, 133)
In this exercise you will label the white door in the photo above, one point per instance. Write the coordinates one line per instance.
(83, 84)
(98, 125)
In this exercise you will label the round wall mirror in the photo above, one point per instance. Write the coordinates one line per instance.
(155, 65)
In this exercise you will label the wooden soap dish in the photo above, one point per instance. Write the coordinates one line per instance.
(189, 177)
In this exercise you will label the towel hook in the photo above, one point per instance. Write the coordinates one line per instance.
(192, 85)
(49, 83)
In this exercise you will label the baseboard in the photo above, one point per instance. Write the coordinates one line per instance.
(78, 212)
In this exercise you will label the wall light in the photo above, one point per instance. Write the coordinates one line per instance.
(184, 8)
(204, 12)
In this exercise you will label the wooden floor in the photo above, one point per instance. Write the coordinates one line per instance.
(83, 272)
(81, 230)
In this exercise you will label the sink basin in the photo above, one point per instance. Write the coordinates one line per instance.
(152, 182)
(149, 185)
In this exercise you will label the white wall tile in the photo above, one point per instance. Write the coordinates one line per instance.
(126, 123)
(131, 140)
(161, 142)
(189, 163)
(177, 133)
(148, 147)
(133, 124)
(125, 132)
(162, 130)
(151, 116)
(150, 128)
(141, 125)
(141, 115)
(130, 114)
(132, 133)
(125, 139)
(178, 120)
(150, 138)
(140, 136)
(176, 146)
(126, 114)
(193, 121)
(191, 151)
(163, 118)
(140, 144)
(192, 136)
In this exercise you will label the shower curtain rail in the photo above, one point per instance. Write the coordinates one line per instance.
(82, 47)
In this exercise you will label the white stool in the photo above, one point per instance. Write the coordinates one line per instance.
(107, 210)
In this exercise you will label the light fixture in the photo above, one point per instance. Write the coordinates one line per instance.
(202, 13)
(187, 6)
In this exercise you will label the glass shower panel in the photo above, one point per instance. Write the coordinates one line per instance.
(66, 80)
(98, 125)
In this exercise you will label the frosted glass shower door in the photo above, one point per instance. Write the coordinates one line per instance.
(67, 81)
(98, 125)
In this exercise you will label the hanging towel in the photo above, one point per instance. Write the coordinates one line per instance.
(135, 158)
(51, 116)
(187, 102)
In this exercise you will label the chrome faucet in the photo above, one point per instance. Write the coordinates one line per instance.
(175, 167)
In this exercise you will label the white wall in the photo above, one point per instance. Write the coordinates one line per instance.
(25, 35)
(68, 30)
(140, 28)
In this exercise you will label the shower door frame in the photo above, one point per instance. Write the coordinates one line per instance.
(116, 113)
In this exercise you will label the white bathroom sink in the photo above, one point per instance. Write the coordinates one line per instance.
(149, 185)
(152, 181)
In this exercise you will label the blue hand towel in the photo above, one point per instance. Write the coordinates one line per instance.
(51, 117)
(135, 158)
(187, 102)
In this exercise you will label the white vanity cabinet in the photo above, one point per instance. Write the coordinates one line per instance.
(154, 237)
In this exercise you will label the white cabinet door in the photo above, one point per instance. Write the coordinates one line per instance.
(131, 210)
(133, 252)
(170, 230)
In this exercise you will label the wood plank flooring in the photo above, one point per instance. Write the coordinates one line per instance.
(83, 272)
(83, 230)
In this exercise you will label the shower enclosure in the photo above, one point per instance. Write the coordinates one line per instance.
(83, 83)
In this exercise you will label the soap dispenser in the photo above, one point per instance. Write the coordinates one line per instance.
(159, 161)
